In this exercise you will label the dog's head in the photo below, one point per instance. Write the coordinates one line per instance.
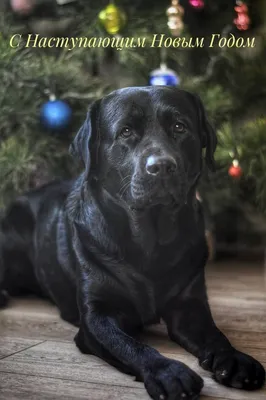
(144, 144)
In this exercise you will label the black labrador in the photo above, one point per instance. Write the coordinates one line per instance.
(123, 245)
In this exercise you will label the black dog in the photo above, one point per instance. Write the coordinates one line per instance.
(123, 245)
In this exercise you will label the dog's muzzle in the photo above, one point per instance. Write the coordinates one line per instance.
(160, 180)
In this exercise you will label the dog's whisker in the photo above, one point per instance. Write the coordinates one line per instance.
(125, 184)
(125, 187)
(125, 177)
(122, 187)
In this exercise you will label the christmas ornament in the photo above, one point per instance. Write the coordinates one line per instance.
(55, 114)
(235, 171)
(242, 21)
(22, 7)
(175, 18)
(112, 18)
(197, 4)
(164, 76)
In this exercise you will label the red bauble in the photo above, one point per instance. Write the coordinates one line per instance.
(242, 21)
(235, 171)
(22, 7)
(197, 4)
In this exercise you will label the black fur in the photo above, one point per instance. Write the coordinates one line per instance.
(123, 245)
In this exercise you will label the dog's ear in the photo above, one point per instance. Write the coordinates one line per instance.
(81, 147)
(208, 135)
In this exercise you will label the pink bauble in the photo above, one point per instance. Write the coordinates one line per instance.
(197, 4)
(22, 7)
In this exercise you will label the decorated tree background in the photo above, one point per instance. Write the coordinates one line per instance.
(230, 80)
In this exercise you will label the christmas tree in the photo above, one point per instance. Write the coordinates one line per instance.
(216, 49)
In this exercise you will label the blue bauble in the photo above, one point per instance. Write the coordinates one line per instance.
(164, 76)
(56, 114)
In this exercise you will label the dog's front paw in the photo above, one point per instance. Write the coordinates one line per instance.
(168, 379)
(235, 369)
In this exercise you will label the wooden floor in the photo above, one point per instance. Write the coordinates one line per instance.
(38, 359)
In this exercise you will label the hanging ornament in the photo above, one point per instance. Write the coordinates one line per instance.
(242, 21)
(235, 171)
(197, 4)
(55, 114)
(22, 7)
(112, 18)
(163, 76)
(175, 18)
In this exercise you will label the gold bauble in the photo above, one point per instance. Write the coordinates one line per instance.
(112, 18)
(175, 18)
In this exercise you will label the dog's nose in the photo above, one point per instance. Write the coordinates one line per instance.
(160, 165)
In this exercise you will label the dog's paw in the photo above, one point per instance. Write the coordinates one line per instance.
(235, 369)
(168, 379)
(3, 298)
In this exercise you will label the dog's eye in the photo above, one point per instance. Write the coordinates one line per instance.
(126, 132)
(179, 127)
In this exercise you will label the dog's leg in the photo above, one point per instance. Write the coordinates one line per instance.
(163, 378)
(191, 325)
(87, 344)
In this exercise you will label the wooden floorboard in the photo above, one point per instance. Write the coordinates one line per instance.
(39, 360)
(10, 345)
